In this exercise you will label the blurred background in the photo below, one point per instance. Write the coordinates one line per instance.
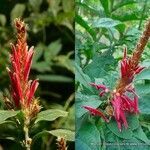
(51, 32)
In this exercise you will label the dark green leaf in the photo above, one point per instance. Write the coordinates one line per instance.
(68, 5)
(125, 133)
(105, 4)
(17, 11)
(41, 66)
(105, 23)
(123, 3)
(82, 77)
(88, 138)
(50, 115)
(5, 114)
(54, 78)
(85, 25)
(38, 52)
(63, 133)
(139, 134)
(144, 75)
(2, 19)
(35, 4)
(86, 100)
(52, 50)
(99, 66)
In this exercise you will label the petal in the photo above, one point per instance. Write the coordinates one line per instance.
(119, 125)
(96, 112)
(123, 118)
(139, 69)
(127, 102)
(28, 63)
(102, 93)
(123, 71)
(33, 88)
(116, 102)
(18, 85)
(135, 104)
(98, 86)
(15, 98)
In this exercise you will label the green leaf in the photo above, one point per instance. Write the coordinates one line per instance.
(66, 62)
(105, 4)
(52, 50)
(63, 133)
(99, 66)
(123, 3)
(85, 25)
(139, 134)
(5, 114)
(2, 19)
(142, 89)
(125, 133)
(50, 115)
(87, 8)
(144, 103)
(127, 16)
(67, 5)
(38, 52)
(86, 100)
(133, 121)
(17, 11)
(144, 75)
(54, 78)
(88, 138)
(35, 4)
(82, 77)
(41, 66)
(39, 135)
(105, 23)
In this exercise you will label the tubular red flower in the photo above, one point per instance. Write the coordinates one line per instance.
(28, 63)
(135, 105)
(96, 112)
(102, 87)
(139, 69)
(98, 86)
(33, 88)
(119, 113)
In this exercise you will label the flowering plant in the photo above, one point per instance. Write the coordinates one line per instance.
(112, 97)
(119, 100)
(23, 108)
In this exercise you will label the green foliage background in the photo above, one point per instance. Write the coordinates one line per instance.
(103, 29)
(51, 31)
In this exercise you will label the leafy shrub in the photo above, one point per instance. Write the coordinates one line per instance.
(103, 29)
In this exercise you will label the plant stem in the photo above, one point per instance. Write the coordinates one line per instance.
(28, 140)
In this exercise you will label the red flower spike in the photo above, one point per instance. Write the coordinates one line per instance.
(21, 60)
(96, 112)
